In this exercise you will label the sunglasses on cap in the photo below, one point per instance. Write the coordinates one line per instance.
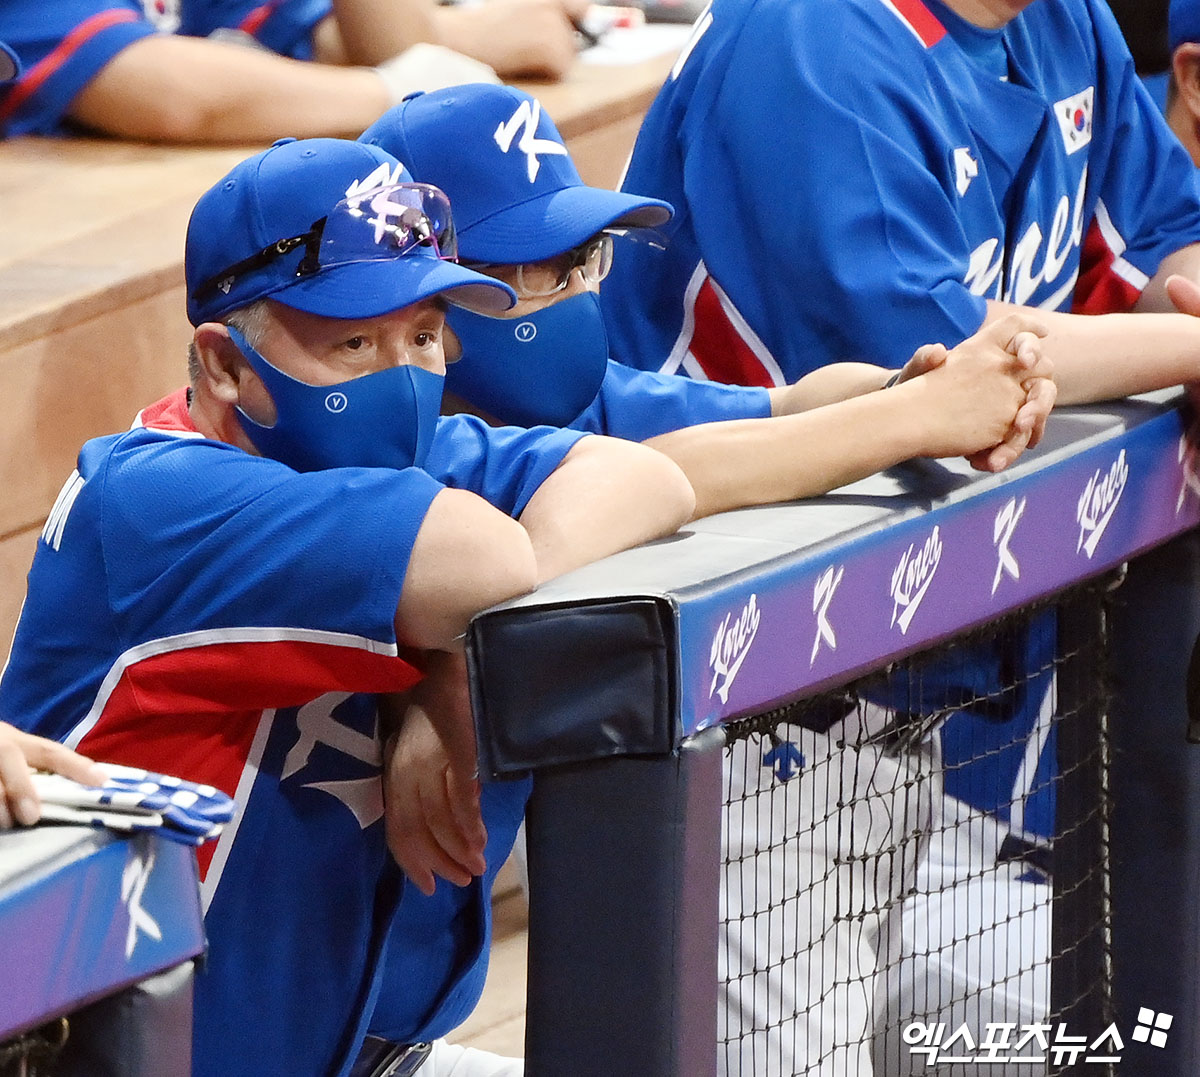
(536, 280)
(379, 225)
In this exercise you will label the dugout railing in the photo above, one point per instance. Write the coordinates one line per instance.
(617, 685)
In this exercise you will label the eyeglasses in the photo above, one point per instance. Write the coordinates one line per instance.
(377, 225)
(535, 280)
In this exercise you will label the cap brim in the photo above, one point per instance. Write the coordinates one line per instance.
(10, 67)
(371, 288)
(555, 222)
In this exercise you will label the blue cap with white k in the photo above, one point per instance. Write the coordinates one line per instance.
(330, 227)
(516, 193)
(1183, 22)
(10, 66)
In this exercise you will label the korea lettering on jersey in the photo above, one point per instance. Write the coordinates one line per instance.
(924, 194)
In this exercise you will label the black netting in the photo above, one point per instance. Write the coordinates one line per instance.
(916, 864)
(34, 1053)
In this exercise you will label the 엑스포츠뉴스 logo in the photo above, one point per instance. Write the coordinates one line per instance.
(731, 643)
(1098, 502)
(911, 579)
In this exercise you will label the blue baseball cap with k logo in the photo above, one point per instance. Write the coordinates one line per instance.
(517, 194)
(330, 227)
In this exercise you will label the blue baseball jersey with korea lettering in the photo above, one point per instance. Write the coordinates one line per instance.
(851, 180)
(63, 44)
(197, 610)
(640, 404)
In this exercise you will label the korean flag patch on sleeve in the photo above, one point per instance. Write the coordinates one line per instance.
(1074, 115)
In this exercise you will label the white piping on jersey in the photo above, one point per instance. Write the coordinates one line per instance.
(908, 25)
(1127, 271)
(751, 339)
(682, 342)
(624, 170)
(207, 638)
(682, 354)
(699, 29)
(139, 424)
(693, 369)
(241, 797)
(13, 638)
(52, 532)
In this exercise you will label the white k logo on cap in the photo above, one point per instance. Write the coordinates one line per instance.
(527, 115)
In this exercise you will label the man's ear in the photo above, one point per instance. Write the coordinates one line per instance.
(451, 345)
(1185, 64)
(222, 366)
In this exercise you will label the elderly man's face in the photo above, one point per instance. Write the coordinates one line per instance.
(325, 351)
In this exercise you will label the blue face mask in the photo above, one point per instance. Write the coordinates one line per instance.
(385, 419)
(544, 367)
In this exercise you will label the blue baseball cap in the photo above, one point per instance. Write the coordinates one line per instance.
(10, 66)
(328, 226)
(516, 193)
(1183, 22)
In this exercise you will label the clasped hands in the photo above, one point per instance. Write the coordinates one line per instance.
(1007, 350)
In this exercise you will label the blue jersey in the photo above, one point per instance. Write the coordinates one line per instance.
(851, 180)
(62, 44)
(638, 404)
(198, 610)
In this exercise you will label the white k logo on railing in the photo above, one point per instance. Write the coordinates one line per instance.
(1002, 532)
(133, 885)
(826, 585)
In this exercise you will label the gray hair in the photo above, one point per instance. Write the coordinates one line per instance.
(250, 321)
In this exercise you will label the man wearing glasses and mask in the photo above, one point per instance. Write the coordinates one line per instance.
(525, 218)
(228, 584)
